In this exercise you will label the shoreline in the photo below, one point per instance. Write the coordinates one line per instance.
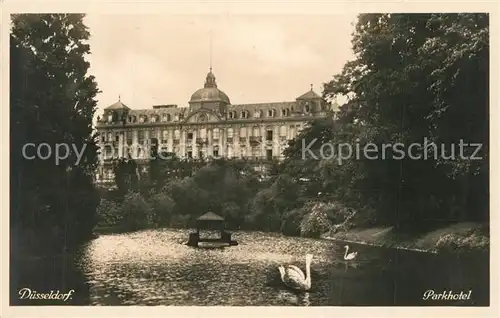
(377, 245)
(455, 238)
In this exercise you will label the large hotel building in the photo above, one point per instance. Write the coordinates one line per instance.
(210, 127)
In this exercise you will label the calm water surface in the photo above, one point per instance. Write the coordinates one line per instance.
(155, 268)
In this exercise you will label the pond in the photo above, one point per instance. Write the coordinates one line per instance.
(155, 267)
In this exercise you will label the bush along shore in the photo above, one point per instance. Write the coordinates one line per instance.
(271, 202)
(310, 221)
(456, 238)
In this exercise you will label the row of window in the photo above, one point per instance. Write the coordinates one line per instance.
(230, 154)
(156, 118)
(243, 153)
(245, 114)
(244, 131)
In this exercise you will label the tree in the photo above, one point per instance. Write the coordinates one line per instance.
(269, 205)
(125, 171)
(52, 101)
(154, 171)
(415, 76)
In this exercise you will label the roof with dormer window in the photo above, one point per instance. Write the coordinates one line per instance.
(309, 95)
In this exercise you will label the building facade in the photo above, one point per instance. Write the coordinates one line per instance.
(210, 127)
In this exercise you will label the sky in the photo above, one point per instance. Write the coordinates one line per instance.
(162, 59)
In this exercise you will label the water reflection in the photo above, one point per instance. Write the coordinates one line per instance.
(290, 298)
(156, 268)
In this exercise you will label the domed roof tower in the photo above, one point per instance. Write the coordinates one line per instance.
(209, 96)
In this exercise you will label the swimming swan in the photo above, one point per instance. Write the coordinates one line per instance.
(294, 278)
(349, 256)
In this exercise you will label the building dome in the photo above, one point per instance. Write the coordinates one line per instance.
(210, 92)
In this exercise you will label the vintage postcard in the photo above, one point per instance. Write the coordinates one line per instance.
(176, 158)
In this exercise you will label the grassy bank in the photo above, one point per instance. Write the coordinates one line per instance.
(459, 237)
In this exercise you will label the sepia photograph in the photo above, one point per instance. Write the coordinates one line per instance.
(337, 159)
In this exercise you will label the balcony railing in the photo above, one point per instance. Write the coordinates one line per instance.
(243, 140)
(229, 140)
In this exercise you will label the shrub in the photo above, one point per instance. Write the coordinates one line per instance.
(180, 221)
(162, 207)
(187, 196)
(137, 213)
(290, 223)
(232, 213)
(108, 213)
(471, 240)
(317, 221)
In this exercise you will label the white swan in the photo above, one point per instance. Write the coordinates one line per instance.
(294, 278)
(349, 256)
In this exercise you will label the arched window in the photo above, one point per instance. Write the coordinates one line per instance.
(307, 108)
(177, 134)
(230, 133)
(271, 113)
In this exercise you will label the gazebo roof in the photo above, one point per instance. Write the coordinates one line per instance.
(210, 216)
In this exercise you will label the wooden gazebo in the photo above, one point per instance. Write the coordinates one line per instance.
(211, 222)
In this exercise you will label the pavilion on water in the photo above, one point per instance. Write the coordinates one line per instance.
(211, 222)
